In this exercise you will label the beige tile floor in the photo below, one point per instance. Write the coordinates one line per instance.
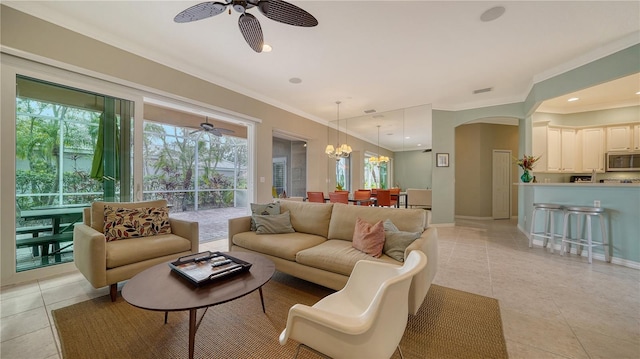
(552, 306)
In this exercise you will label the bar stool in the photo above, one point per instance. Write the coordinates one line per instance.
(587, 212)
(548, 232)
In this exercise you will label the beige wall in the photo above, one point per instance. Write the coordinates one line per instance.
(473, 172)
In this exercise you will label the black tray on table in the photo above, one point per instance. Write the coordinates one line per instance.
(207, 267)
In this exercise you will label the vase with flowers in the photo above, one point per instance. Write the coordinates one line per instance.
(527, 163)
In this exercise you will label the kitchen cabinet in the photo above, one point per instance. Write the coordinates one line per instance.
(539, 146)
(561, 149)
(592, 149)
(619, 138)
(636, 137)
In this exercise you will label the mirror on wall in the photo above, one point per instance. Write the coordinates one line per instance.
(406, 133)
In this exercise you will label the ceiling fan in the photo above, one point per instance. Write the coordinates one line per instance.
(210, 128)
(277, 10)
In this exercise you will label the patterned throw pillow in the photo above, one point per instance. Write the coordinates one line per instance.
(368, 238)
(267, 209)
(122, 223)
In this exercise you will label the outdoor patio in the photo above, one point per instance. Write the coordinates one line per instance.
(212, 227)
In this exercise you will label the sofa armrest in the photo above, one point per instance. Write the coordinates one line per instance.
(89, 254)
(188, 230)
(238, 225)
(428, 244)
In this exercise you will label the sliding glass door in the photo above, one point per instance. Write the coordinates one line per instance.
(73, 147)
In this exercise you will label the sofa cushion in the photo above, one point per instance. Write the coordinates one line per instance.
(265, 209)
(308, 217)
(336, 256)
(134, 250)
(97, 210)
(277, 223)
(397, 241)
(284, 245)
(368, 237)
(122, 223)
(343, 219)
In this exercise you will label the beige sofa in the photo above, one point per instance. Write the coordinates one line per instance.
(107, 263)
(321, 251)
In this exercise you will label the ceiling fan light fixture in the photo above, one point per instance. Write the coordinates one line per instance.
(277, 10)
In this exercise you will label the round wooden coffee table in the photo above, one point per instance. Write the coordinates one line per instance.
(159, 288)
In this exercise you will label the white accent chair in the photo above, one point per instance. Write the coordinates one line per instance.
(366, 319)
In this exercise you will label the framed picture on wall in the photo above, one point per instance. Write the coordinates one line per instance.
(442, 160)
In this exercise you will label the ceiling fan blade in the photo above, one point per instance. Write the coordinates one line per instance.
(286, 13)
(215, 132)
(251, 30)
(200, 11)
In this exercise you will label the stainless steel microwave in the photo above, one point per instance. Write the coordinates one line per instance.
(623, 161)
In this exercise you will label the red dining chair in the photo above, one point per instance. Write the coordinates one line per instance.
(395, 195)
(363, 197)
(317, 197)
(384, 198)
(339, 197)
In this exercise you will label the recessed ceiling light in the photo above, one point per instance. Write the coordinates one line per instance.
(266, 48)
(573, 99)
(492, 14)
(419, 144)
(295, 80)
(369, 111)
(406, 138)
(638, 93)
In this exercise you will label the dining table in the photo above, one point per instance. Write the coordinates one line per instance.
(57, 233)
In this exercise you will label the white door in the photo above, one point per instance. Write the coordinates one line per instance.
(501, 205)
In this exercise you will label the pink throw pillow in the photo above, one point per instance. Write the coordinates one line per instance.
(369, 238)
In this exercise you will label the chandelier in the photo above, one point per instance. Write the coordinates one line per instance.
(378, 160)
(340, 151)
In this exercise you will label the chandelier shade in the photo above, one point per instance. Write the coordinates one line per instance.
(339, 151)
(378, 159)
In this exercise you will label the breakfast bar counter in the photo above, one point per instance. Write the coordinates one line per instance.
(621, 201)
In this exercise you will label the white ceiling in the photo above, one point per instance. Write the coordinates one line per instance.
(382, 55)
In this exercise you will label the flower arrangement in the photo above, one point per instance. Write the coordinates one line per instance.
(527, 162)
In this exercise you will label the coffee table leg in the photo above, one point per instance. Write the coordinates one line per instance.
(262, 300)
(192, 331)
(166, 316)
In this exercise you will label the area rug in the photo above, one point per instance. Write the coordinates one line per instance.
(450, 324)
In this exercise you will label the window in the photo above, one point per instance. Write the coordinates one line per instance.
(343, 177)
(375, 174)
(72, 148)
(194, 170)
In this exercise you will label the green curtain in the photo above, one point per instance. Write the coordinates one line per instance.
(98, 164)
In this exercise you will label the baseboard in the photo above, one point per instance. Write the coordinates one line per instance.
(442, 225)
(475, 218)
